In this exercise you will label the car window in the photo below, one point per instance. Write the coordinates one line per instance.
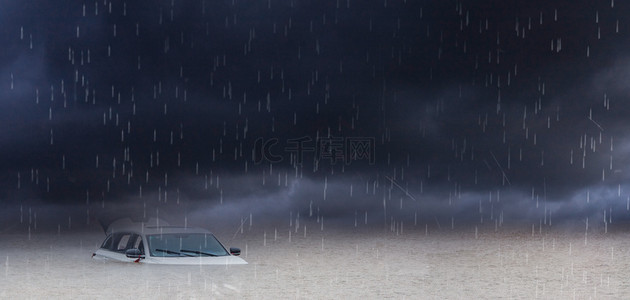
(107, 244)
(138, 243)
(122, 244)
(185, 244)
(123, 241)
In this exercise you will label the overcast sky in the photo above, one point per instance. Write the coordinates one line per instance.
(437, 109)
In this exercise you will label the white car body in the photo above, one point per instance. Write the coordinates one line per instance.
(155, 242)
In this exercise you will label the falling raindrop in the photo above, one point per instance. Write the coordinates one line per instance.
(617, 26)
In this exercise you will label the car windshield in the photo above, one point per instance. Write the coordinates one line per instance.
(185, 244)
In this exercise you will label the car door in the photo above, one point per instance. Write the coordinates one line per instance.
(117, 244)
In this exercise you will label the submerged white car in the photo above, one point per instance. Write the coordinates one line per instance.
(155, 242)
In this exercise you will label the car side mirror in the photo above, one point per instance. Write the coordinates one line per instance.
(235, 251)
(134, 253)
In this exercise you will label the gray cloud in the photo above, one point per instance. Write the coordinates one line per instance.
(432, 91)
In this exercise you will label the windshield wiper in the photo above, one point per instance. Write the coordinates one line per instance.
(170, 252)
(198, 252)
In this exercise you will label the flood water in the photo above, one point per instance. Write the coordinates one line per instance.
(336, 262)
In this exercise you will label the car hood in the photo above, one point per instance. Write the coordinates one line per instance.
(201, 260)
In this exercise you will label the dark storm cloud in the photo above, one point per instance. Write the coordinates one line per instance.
(20, 78)
(157, 102)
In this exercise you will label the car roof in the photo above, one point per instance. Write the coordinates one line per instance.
(151, 226)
